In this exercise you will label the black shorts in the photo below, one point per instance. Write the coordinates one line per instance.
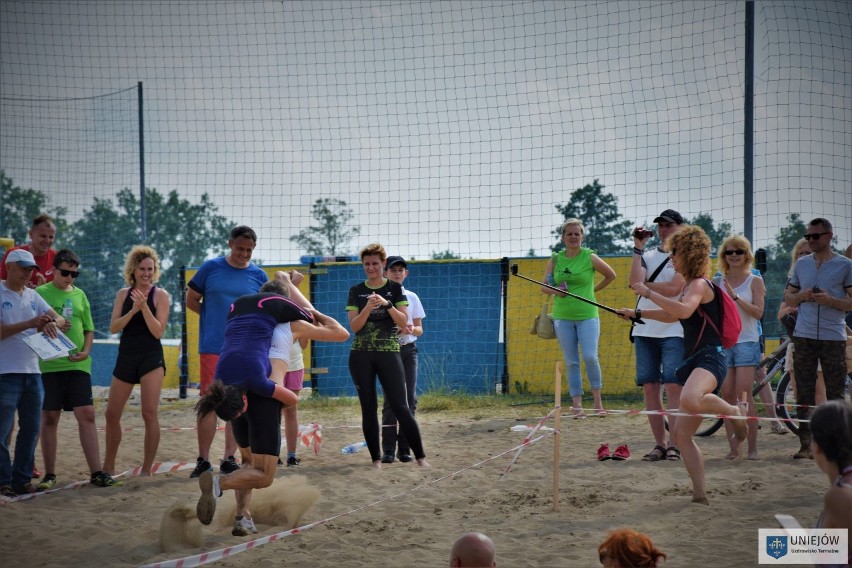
(131, 366)
(711, 358)
(66, 390)
(259, 428)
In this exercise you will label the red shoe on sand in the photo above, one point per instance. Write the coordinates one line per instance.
(621, 453)
(603, 453)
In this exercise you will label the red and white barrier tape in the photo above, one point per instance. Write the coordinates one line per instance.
(214, 555)
(165, 467)
(717, 416)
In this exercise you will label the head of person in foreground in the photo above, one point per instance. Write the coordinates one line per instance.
(627, 548)
(473, 549)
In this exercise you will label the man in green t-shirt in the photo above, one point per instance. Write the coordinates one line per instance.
(68, 380)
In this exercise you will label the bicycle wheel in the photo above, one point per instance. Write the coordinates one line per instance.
(707, 427)
(786, 404)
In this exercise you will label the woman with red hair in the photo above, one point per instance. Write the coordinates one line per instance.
(626, 548)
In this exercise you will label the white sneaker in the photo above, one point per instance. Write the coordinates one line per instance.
(244, 527)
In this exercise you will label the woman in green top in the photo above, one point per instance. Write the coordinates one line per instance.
(577, 325)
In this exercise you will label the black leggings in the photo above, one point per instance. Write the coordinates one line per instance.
(364, 366)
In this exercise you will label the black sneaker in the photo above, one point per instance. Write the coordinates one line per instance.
(201, 466)
(405, 458)
(228, 465)
(387, 458)
(293, 461)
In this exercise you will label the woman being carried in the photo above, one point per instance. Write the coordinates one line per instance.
(704, 369)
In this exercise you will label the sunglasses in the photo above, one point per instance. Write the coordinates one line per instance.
(813, 236)
(70, 273)
(738, 252)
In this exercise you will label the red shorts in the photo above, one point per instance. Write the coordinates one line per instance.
(293, 380)
(208, 370)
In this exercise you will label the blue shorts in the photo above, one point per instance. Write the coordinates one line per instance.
(745, 354)
(657, 358)
(710, 359)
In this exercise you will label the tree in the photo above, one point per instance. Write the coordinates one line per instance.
(778, 263)
(445, 255)
(332, 235)
(716, 234)
(599, 213)
(182, 233)
(18, 208)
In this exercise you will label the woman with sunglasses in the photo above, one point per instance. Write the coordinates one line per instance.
(704, 370)
(140, 313)
(749, 294)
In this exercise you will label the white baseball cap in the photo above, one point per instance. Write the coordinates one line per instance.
(23, 257)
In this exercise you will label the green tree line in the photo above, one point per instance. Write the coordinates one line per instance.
(185, 234)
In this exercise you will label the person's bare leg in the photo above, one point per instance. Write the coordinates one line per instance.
(291, 427)
(49, 427)
(88, 432)
(654, 403)
(692, 457)
(260, 475)
(119, 392)
(151, 385)
(577, 406)
(745, 380)
(673, 399)
(244, 495)
(206, 431)
(596, 396)
(729, 394)
(230, 442)
(697, 398)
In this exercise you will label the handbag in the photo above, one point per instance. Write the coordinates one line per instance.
(543, 324)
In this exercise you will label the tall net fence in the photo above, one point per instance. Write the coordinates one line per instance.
(445, 129)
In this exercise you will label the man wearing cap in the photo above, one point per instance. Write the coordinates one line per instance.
(659, 346)
(42, 234)
(22, 313)
(396, 269)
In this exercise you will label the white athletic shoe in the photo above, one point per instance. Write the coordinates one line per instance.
(244, 527)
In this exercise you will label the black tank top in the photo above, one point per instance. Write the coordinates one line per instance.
(136, 330)
(693, 339)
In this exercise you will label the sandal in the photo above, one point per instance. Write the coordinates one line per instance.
(657, 454)
(672, 454)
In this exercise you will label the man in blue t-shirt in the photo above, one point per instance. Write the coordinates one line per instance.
(210, 294)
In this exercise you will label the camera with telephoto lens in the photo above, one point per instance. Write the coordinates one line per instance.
(642, 233)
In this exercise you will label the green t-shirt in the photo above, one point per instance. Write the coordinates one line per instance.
(81, 322)
(579, 275)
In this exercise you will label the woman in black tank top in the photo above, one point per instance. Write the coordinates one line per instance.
(140, 313)
(704, 369)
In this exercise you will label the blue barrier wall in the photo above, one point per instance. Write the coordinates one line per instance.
(461, 348)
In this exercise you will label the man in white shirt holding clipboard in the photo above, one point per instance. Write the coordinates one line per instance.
(22, 313)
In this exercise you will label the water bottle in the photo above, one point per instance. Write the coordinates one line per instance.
(68, 310)
(354, 448)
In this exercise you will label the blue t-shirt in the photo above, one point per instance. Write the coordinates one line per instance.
(834, 276)
(220, 284)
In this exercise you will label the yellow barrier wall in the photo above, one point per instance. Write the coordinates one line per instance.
(532, 360)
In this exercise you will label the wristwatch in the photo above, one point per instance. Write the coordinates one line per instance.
(638, 313)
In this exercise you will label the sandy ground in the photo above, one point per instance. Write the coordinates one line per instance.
(409, 516)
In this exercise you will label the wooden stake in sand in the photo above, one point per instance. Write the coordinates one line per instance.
(556, 420)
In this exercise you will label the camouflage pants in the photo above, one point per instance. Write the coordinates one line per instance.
(832, 356)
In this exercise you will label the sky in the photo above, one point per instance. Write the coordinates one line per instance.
(444, 125)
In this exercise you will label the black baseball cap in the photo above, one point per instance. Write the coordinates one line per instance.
(670, 216)
(393, 260)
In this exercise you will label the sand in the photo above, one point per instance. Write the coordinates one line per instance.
(409, 516)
